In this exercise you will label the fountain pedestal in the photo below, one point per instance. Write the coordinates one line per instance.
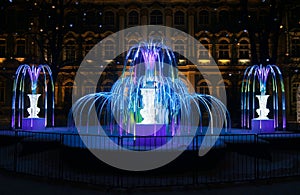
(33, 122)
(262, 124)
(150, 135)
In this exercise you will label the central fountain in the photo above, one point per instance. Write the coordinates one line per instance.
(150, 101)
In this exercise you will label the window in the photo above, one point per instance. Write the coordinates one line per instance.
(70, 51)
(203, 17)
(109, 18)
(68, 92)
(109, 50)
(244, 50)
(223, 17)
(262, 18)
(294, 95)
(296, 47)
(179, 48)
(203, 88)
(71, 19)
(20, 48)
(2, 48)
(156, 17)
(88, 46)
(2, 92)
(89, 88)
(133, 18)
(89, 18)
(223, 50)
(204, 50)
(179, 18)
(21, 20)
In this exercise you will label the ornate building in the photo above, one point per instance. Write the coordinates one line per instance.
(235, 33)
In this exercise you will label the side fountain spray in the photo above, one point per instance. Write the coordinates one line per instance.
(149, 99)
(27, 75)
(259, 77)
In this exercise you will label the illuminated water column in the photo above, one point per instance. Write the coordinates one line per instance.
(29, 80)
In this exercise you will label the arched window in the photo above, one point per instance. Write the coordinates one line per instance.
(156, 17)
(202, 87)
(89, 18)
(71, 19)
(67, 93)
(204, 50)
(70, 51)
(244, 49)
(109, 50)
(109, 18)
(133, 18)
(88, 46)
(223, 49)
(2, 47)
(20, 48)
(296, 47)
(2, 92)
(203, 17)
(295, 87)
(179, 48)
(89, 88)
(179, 18)
(223, 17)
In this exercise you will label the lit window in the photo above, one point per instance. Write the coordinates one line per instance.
(88, 46)
(244, 50)
(203, 88)
(223, 50)
(109, 50)
(70, 50)
(204, 50)
(179, 48)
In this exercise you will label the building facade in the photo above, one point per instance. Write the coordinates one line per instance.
(235, 33)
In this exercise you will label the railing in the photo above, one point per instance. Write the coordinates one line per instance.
(234, 157)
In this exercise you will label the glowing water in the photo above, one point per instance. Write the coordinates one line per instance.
(150, 92)
(27, 83)
(260, 77)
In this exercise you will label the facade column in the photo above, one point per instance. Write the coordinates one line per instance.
(191, 30)
(144, 16)
(169, 21)
(121, 39)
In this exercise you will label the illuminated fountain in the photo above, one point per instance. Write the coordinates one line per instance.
(37, 78)
(149, 99)
(259, 77)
